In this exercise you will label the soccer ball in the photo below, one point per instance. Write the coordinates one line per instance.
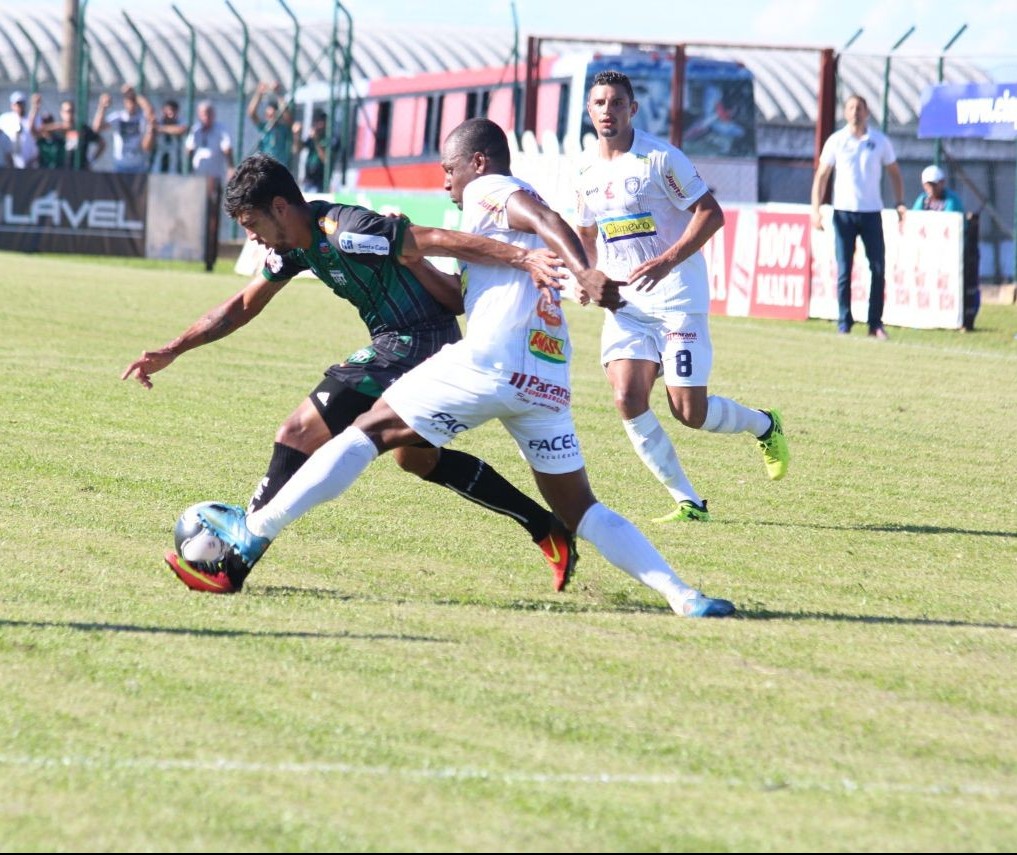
(195, 544)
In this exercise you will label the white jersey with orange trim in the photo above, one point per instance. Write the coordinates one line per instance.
(511, 325)
(639, 202)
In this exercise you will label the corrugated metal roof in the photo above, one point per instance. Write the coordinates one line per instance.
(786, 79)
(115, 50)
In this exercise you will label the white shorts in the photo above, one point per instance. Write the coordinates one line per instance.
(449, 394)
(680, 343)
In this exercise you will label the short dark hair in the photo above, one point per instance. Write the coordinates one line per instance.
(614, 78)
(484, 136)
(170, 102)
(257, 181)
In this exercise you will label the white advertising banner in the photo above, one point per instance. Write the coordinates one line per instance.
(924, 271)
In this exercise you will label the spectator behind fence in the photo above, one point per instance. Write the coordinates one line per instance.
(209, 146)
(16, 124)
(313, 153)
(935, 195)
(58, 140)
(275, 130)
(133, 129)
(857, 155)
(169, 134)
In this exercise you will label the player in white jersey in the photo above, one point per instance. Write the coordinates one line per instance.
(512, 365)
(644, 214)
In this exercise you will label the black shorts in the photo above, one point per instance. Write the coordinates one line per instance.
(352, 387)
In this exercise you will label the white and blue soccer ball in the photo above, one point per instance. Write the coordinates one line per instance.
(195, 544)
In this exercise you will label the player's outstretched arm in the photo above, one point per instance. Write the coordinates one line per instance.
(216, 324)
(418, 241)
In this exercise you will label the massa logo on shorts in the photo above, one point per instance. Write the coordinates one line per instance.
(547, 347)
(629, 226)
(363, 244)
(447, 423)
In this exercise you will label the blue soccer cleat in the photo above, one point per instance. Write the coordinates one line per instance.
(697, 605)
(229, 524)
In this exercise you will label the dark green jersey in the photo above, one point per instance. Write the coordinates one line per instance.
(354, 251)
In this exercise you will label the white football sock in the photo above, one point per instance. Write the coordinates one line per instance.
(326, 475)
(724, 415)
(625, 546)
(655, 449)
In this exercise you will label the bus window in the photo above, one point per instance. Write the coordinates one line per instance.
(382, 129)
(435, 106)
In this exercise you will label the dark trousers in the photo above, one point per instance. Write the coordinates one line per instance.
(848, 226)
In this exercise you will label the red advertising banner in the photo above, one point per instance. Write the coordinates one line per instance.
(760, 263)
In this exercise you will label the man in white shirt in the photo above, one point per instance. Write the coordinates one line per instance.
(209, 145)
(857, 155)
(16, 125)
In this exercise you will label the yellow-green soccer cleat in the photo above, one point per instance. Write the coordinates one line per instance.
(773, 444)
(687, 511)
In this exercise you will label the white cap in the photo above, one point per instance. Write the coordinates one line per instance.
(932, 174)
(18, 96)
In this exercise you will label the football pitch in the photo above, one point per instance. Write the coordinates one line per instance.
(398, 674)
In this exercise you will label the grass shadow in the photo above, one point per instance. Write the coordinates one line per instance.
(212, 633)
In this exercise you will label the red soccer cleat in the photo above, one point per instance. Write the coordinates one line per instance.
(559, 549)
(197, 579)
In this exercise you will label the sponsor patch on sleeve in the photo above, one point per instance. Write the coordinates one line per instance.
(357, 244)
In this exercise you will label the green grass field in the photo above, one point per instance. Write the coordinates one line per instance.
(399, 675)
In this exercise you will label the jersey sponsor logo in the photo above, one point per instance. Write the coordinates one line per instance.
(447, 423)
(363, 244)
(491, 203)
(531, 386)
(673, 184)
(337, 276)
(324, 247)
(547, 347)
(632, 185)
(549, 311)
(682, 336)
(628, 226)
(273, 261)
(557, 447)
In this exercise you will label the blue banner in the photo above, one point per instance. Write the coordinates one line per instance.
(985, 111)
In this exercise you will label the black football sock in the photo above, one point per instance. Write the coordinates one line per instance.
(284, 463)
(473, 479)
